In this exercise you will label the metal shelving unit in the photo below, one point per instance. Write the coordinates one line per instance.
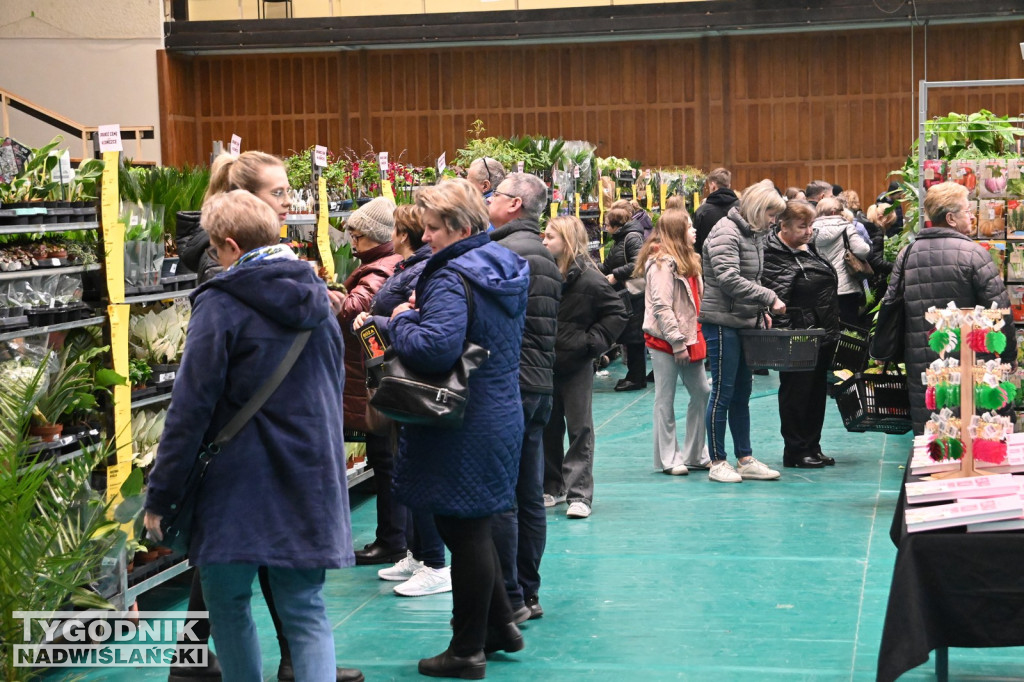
(35, 272)
(162, 296)
(63, 326)
(48, 228)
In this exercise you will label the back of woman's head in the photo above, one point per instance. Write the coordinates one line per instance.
(242, 216)
(879, 215)
(943, 199)
(850, 200)
(618, 215)
(572, 233)
(671, 238)
(758, 201)
(829, 206)
(676, 201)
(458, 202)
(409, 221)
(239, 172)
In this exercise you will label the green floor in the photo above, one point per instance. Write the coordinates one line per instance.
(672, 578)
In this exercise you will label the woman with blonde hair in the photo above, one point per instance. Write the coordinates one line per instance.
(672, 273)
(590, 317)
(734, 299)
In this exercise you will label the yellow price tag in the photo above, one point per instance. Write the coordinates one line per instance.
(662, 198)
(696, 200)
(113, 231)
(618, 193)
(119, 315)
(635, 195)
(116, 475)
(650, 198)
(386, 190)
(554, 208)
(323, 234)
(577, 198)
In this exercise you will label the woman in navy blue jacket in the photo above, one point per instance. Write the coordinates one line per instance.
(466, 475)
(276, 495)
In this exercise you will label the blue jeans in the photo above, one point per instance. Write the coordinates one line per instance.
(520, 534)
(298, 595)
(731, 384)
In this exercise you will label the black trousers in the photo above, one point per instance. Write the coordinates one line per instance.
(636, 362)
(802, 402)
(394, 521)
(196, 602)
(479, 598)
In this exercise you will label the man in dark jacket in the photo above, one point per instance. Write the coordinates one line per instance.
(520, 534)
(720, 199)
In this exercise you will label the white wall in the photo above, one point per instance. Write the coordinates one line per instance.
(93, 61)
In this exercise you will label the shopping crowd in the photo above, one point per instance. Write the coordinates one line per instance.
(473, 262)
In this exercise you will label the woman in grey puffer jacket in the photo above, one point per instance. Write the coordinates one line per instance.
(944, 265)
(734, 299)
(829, 228)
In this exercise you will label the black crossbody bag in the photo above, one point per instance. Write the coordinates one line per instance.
(177, 525)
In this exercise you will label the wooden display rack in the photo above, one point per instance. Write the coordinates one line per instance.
(967, 358)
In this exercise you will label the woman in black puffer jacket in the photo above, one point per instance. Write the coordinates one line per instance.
(807, 283)
(618, 266)
(590, 317)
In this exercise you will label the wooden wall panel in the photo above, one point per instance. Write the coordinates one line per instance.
(839, 106)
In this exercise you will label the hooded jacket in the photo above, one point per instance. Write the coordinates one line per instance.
(942, 266)
(277, 494)
(714, 208)
(470, 471)
(806, 283)
(378, 264)
(620, 261)
(522, 237)
(193, 246)
(671, 304)
(590, 317)
(732, 261)
(828, 239)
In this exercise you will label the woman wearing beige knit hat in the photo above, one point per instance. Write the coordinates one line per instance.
(370, 230)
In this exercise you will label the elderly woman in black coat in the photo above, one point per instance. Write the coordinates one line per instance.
(807, 283)
(943, 265)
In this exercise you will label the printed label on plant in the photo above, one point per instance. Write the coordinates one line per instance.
(382, 160)
(236, 145)
(320, 156)
(441, 163)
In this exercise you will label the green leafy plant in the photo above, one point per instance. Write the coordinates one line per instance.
(159, 337)
(176, 189)
(85, 185)
(138, 372)
(69, 389)
(300, 169)
(54, 529)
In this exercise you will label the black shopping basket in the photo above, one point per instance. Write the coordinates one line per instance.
(851, 349)
(874, 402)
(785, 350)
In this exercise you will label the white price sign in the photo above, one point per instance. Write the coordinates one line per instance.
(236, 145)
(320, 156)
(382, 159)
(441, 165)
(519, 166)
(63, 173)
(110, 138)
(575, 171)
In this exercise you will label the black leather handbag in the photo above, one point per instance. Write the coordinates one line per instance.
(412, 397)
(888, 342)
(177, 525)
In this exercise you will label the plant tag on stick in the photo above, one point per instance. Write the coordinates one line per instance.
(320, 156)
(236, 145)
(441, 164)
(110, 138)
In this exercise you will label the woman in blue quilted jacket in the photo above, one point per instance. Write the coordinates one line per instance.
(465, 475)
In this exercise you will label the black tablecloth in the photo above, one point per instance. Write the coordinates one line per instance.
(950, 588)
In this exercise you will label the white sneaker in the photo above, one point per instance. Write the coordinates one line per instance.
(723, 472)
(578, 510)
(401, 571)
(677, 470)
(551, 500)
(757, 471)
(426, 581)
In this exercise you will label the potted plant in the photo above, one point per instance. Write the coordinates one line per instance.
(158, 339)
(70, 388)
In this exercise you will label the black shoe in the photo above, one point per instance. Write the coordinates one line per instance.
(285, 673)
(374, 553)
(533, 603)
(627, 385)
(447, 664)
(805, 461)
(650, 376)
(210, 673)
(825, 459)
(521, 615)
(503, 638)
